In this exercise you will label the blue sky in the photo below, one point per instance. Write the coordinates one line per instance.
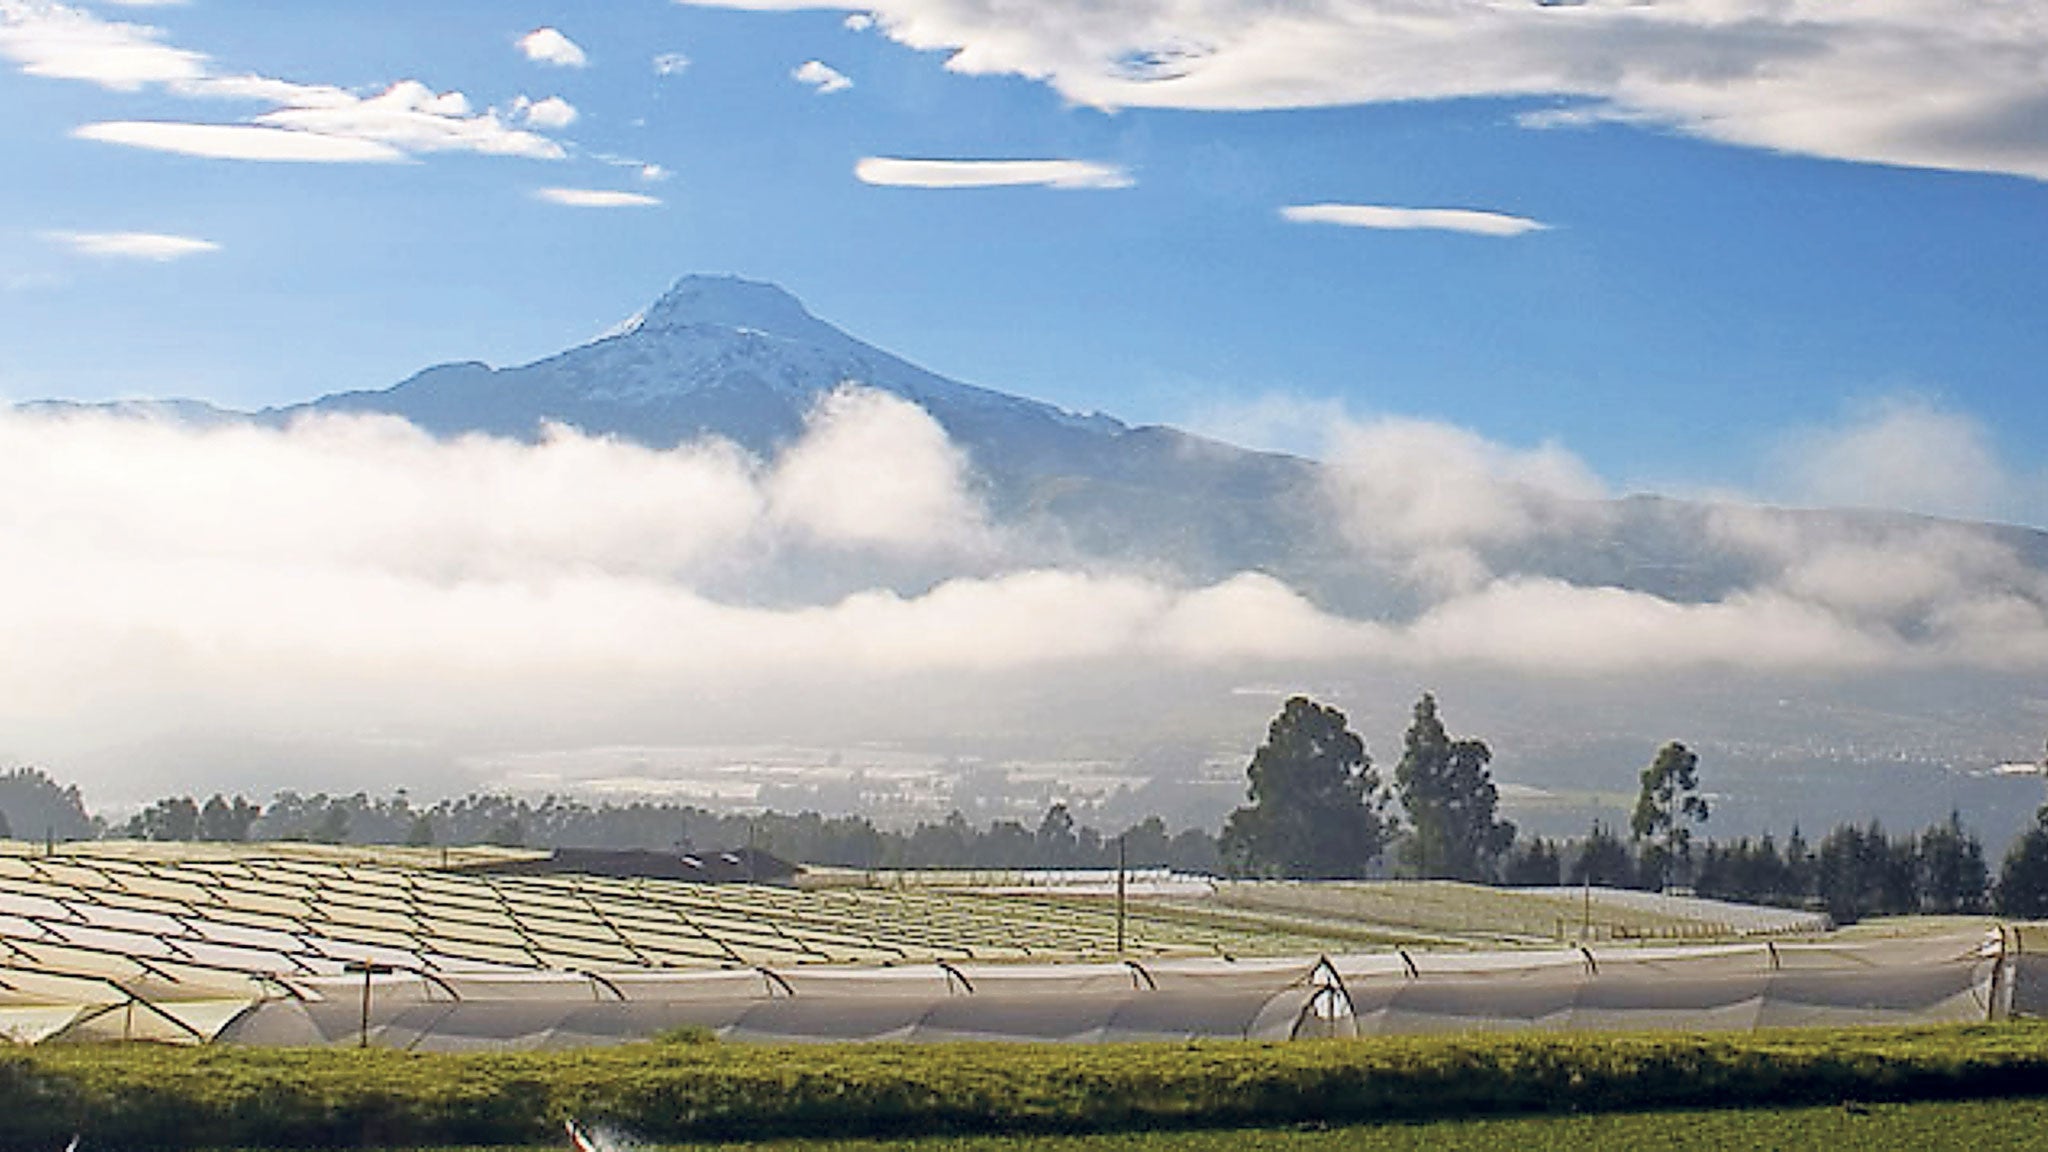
(1760, 223)
(1494, 256)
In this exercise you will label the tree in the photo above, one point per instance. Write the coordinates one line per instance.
(1146, 844)
(1800, 867)
(1058, 846)
(1953, 878)
(1862, 872)
(510, 834)
(1317, 809)
(333, 825)
(220, 820)
(421, 834)
(172, 818)
(1449, 795)
(1667, 802)
(37, 806)
(1535, 864)
(2023, 881)
(1603, 859)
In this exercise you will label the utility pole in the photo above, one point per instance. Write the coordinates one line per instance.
(1586, 894)
(1119, 895)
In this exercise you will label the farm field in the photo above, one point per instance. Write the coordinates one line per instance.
(1932, 1127)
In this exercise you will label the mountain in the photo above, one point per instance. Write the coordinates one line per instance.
(1942, 613)
(746, 361)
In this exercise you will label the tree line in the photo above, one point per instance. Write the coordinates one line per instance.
(1057, 840)
(1316, 808)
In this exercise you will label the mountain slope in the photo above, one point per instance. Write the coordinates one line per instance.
(745, 361)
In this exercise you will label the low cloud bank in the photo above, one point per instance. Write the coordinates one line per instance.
(351, 575)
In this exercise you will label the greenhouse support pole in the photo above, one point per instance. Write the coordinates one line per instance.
(368, 968)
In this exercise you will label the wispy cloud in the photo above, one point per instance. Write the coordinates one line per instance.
(66, 43)
(907, 173)
(646, 170)
(820, 76)
(240, 142)
(155, 246)
(1466, 220)
(596, 198)
(1905, 452)
(549, 46)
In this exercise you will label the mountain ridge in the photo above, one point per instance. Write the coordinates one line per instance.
(746, 361)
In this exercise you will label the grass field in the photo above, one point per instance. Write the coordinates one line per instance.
(1969, 1125)
(136, 1096)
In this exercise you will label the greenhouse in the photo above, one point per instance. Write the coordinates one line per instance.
(295, 947)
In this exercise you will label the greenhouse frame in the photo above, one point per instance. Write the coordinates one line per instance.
(275, 947)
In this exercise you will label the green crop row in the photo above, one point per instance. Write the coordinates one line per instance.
(139, 1097)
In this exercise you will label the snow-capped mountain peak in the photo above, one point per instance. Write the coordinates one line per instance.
(733, 303)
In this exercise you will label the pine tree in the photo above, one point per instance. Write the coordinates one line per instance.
(1317, 809)
(1451, 802)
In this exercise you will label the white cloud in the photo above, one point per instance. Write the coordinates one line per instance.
(1806, 76)
(549, 46)
(308, 122)
(913, 489)
(239, 142)
(1553, 627)
(1469, 220)
(901, 173)
(66, 43)
(155, 246)
(351, 575)
(1429, 497)
(596, 198)
(1900, 453)
(671, 64)
(551, 114)
(820, 76)
(1273, 422)
(859, 22)
(646, 170)
(413, 117)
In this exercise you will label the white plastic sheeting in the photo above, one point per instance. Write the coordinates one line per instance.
(1950, 979)
(1080, 1003)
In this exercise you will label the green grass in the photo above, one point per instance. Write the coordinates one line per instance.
(137, 1097)
(1926, 1127)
